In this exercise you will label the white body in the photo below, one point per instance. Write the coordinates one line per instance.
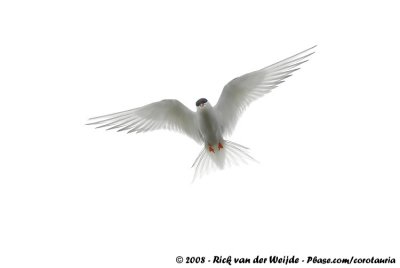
(210, 127)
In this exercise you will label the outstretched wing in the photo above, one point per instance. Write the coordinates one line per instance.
(243, 90)
(166, 114)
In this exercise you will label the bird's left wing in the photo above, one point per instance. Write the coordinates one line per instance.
(166, 114)
(243, 90)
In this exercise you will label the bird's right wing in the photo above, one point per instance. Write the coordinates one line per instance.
(166, 114)
(243, 90)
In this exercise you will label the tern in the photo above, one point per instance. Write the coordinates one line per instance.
(209, 125)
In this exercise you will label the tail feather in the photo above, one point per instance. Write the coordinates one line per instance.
(231, 154)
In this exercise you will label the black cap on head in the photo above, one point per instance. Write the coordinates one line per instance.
(201, 101)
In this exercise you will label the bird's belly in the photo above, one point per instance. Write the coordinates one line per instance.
(211, 138)
(210, 129)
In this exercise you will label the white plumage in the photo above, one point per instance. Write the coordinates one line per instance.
(209, 124)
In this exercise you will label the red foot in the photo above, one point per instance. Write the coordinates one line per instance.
(211, 149)
(220, 146)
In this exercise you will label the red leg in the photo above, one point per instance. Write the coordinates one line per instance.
(220, 146)
(211, 149)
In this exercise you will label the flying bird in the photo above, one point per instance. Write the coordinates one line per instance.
(209, 125)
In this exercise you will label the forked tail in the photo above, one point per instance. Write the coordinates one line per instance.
(223, 155)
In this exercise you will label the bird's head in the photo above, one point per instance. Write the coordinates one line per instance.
(201, 103)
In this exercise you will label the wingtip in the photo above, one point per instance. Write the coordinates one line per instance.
(91, 123)
(308, 49)
(96, 117)
(102, 126)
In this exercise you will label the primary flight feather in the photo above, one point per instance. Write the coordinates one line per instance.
(209, 124)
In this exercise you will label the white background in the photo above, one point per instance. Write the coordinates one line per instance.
(327, 139)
